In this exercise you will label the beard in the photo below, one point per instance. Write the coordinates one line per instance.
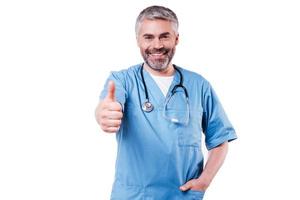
(158, 59)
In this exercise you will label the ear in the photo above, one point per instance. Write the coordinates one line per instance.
(177, 39)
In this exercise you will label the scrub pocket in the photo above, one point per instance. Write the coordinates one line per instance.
(194, 195)
(190, 135)
(122, 192)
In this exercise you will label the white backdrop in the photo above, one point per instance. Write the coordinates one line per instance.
(55, 56)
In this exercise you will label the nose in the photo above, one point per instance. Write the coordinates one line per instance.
(157, 43)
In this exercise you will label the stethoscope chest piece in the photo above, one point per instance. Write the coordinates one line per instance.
(147, 106)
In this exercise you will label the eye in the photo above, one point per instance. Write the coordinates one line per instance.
(148, 37)
(165, 37)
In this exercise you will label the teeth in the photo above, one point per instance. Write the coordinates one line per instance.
(157, 54)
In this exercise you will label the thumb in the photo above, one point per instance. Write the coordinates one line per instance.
(111, 91)
(186, 186)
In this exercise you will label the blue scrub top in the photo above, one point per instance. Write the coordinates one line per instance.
(156, 156)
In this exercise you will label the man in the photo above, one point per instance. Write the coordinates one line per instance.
(159, 111)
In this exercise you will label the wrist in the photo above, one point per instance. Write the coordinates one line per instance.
(204, 182)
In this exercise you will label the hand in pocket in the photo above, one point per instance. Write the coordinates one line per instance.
(194, 184)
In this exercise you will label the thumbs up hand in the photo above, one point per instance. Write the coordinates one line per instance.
(109, 111)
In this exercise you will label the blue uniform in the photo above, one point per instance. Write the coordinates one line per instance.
(156, 156)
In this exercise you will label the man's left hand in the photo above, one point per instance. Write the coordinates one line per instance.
(195, 184)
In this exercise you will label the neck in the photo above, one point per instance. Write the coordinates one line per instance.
(169, 71)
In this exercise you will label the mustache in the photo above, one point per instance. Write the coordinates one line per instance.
(154, 50)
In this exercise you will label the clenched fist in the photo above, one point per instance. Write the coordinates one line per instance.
(109, 111)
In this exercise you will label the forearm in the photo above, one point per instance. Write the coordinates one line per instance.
(216, 157)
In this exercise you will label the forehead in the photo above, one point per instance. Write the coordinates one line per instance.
(155, 27)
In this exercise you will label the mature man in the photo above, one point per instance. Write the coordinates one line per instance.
(159, 111)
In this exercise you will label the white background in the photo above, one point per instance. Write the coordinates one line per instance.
(55, 56)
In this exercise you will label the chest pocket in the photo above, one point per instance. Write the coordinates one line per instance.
(190, 135)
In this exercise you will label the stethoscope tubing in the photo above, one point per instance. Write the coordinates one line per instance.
(147, 106)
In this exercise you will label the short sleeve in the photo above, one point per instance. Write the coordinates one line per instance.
(120, 92)
(215, 123)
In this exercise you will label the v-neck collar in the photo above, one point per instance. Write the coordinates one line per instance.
(156, 96)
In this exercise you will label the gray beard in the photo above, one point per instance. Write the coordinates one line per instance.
(160, 65)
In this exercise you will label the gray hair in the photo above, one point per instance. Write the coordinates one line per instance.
(157, 12)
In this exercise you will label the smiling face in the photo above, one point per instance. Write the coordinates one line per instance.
(157, 41)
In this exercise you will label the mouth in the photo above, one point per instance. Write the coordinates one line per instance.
(157, 55)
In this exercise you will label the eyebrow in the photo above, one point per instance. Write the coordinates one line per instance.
(165, 34)
(147, 35)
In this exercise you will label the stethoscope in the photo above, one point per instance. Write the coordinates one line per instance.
(147, 106)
